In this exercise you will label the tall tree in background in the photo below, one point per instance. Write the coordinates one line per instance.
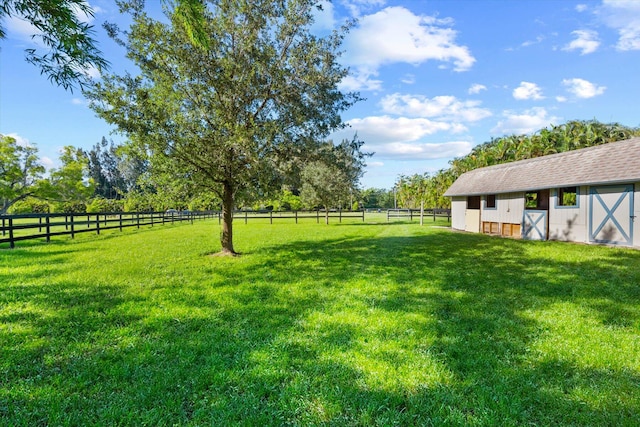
(224, 110)
(332, 173)
(71, 50)
(324, 184)
(106, 170)
(70, 182)
(20, 172)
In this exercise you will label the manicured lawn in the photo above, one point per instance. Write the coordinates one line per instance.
(346, 324)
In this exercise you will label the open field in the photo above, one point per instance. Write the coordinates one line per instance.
(345, 324)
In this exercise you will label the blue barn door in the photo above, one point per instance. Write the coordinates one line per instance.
(534, 225)
(611, 214)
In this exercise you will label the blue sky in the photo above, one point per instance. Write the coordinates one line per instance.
(439, 77)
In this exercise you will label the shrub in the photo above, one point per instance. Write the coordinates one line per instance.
(30, 205)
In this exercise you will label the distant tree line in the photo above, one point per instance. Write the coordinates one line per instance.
(112, 178)
(412, 190)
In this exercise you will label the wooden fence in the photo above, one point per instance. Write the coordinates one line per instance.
(297, 215)
(37, 226)
(419, 213)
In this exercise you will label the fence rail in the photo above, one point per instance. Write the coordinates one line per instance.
(15, 228)
(297, 215)
(419, 213)
(20, 227)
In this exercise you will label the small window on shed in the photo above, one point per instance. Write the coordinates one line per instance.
(490, 201)
(568, 196)
(473, 202)
(537, 200)
(531, 200)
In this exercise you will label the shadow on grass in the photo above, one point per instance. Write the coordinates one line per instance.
(441, 328)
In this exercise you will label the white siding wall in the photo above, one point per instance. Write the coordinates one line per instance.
(636, 212)
(565, 223)
(509, 209)
(458, 210)
(569, 223)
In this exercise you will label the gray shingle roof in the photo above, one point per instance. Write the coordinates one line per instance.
(610, 163)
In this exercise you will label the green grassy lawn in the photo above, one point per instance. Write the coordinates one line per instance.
(346, 324)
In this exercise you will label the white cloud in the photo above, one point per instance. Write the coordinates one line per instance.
(582, 88)
(527, 90)
(395, 34)
(376, 130)
(447, 108)
(561, 98)
(476, 88)
(23, 30)
(528, 43)
(408, 79)
(624, 17)
(83, 17)
(375, 164)
(357, 7)
(581, 7)
(92, 72)
(22, 142)
(586, 41)
(324, 17)
(524, 123)
(400, 138)
(47, 162)
(361, 80)
(423, 151)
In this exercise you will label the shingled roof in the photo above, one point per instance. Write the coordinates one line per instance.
(611, 163)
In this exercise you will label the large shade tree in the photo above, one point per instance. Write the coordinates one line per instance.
(226, 108)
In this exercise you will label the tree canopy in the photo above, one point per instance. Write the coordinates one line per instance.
(20, 172)
(571, 135)
(71, 50)
(224, 111)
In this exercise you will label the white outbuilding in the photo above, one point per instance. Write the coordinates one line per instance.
(587, 195)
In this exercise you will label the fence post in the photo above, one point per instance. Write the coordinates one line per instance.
(421, 211)
(120, 214)
(3, 225)
(318, 216)
(362, 215)
(89, 221)
(66, 222)
(72, 227)
(434, 214)
(339, 214)
(40, 224)
(97, 223)
(246, 213)
(12, 244)
(296, 216)
(48, 222)
(138, 219)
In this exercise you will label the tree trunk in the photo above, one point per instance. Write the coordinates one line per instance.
(226, 237)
